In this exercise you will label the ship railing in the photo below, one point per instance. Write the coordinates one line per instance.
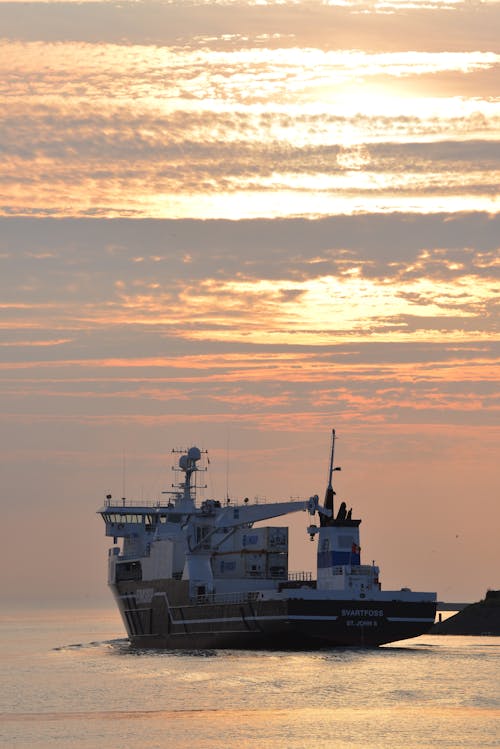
(161, 504)
(124, 502)
(137, 553)
(363, 569)
(237, 597)
(300, 576)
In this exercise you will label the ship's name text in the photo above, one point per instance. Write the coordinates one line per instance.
(362, 612)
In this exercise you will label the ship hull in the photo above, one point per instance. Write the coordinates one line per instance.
(163, 617)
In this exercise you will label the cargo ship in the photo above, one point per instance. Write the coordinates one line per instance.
(207, 575)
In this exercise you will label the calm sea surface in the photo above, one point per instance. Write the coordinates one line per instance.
(68, 679)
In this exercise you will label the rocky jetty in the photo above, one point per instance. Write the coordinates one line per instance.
(481, 618)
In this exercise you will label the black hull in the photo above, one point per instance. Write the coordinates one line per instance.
(169, 620)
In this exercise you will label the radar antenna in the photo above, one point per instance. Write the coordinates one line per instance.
(186, 489)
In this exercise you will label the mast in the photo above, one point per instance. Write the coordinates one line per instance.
(187, 464)
(329, 494)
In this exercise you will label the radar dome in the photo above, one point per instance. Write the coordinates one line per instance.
(183, 462)
(194, 453)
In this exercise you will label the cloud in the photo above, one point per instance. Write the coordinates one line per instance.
(232, 125)
(367, 25)
(100, 257)
(385, 319)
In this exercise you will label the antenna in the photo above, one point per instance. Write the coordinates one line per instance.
(227, 466)
(330, 493)
(332, 451)
(123, 473)
(329, 489)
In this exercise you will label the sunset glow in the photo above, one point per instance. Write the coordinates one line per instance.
(240, 224)
(178, 131)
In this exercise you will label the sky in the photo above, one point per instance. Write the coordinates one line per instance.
(240, 225)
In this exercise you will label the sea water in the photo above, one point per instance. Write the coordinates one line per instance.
(70, 679)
